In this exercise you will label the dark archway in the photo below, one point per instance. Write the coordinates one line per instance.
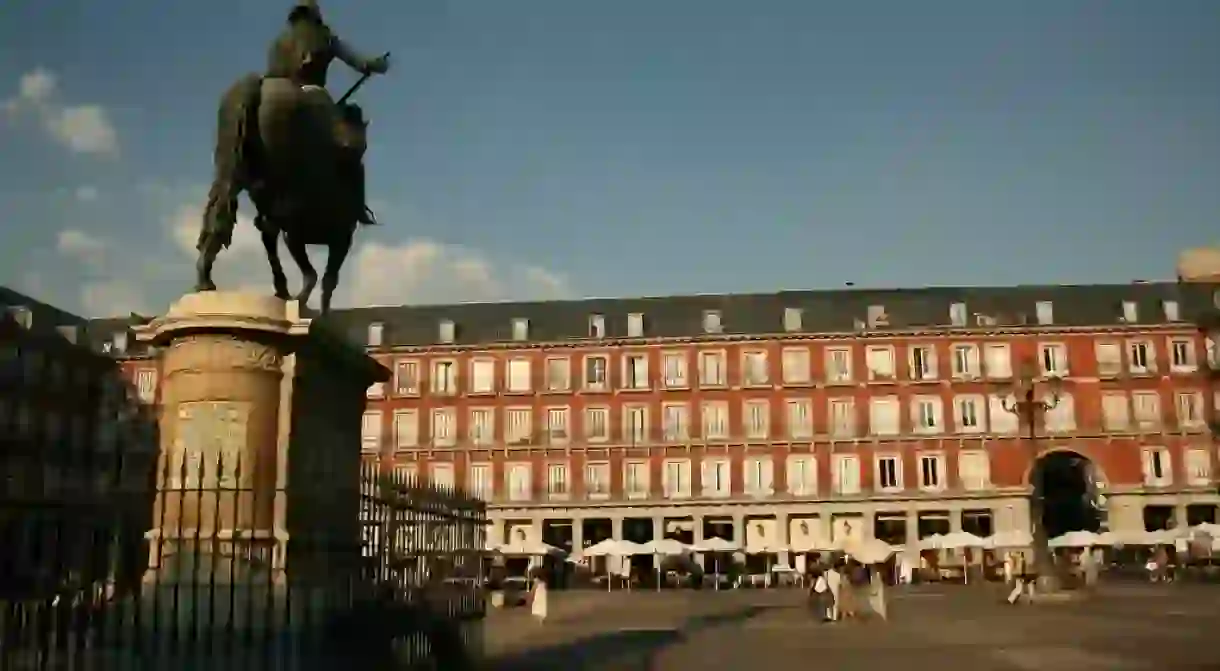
(1065, 486)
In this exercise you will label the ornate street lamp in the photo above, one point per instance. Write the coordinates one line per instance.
(1030, 406)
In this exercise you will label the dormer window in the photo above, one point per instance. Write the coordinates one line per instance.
(1172, 312)
(1130, 312)
(22, 315)
(597, 326)
(1045, 312)
(521, 329)
(792, 319)
(68, 332)
(958, 315)
(446, 332)
(118, 342)
(711, 321)
(376, 331)
(635, 325)
(877, 316)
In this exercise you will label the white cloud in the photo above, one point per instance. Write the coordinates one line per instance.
(377, 271)
(84, 129)
(86, 194)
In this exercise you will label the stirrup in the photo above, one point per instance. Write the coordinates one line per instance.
(367, 217)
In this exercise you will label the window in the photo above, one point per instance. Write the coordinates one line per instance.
(674, 369)
(1198, 468)
(375, 390)
(119, 342)
(406, 378)
(754, 368)
(998, 359)
(635, 371)
(927, 414)
(595, 373)
(968, 412)
(406, 473)
(1189, 406)
(877, 316)
(717, 476)
(792, 320)
(406, 429)
(370, 431)
(597, 326)
(1157, 469)
(635, 424)
(711, 321)
(479, 481)
(557, 425)
(446, 332)
(1109, 359)
(711, 369)
(758, 476)
(521, 329)
(715, 420)
(757, 418)
(597, 480)
(518, 425)
(1045, 311)
(1053, 359)
(1115, 411)
(558, 373)
(802, 475)
(635, 325)
(557, 480)
(842, 417)
(1131, 313)
(444, 377)
(974, 469)
(444, 427)
(375, 333)
(838, 365)
(931, 471)
(958, 315)
(880, 362)
(1182, 355)
(482, 426)
(677, 478)
(1001, 420)
(884, 416)
(889, 473)
(1061, 416)
(482, 376)
(441, 475)
(675, 421)
(965, 362)
(1147, 408)
(1142, 357)
(146, 385)
(795, 363)
(1172, 313)
(597, 424)
(519, 485)
(635, 479)
(518, 374)
(800, 419)
(847, 474)
(923, 363)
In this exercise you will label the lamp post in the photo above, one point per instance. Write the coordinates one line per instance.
(1031, 407)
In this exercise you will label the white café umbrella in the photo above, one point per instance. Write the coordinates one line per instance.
(869, 550)
(933, 542)
(716, 544)
(1017, 538)
(1075, 539)
(664, 547)
(613, 548)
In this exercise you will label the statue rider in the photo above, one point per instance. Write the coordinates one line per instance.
(302, 53)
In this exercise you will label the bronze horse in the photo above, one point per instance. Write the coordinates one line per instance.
(292, 170)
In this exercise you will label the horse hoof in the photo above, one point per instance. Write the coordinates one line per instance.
(205, 286)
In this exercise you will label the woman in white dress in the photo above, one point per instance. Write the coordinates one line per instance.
(538, 600)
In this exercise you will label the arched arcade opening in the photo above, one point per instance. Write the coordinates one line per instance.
(1065, 493)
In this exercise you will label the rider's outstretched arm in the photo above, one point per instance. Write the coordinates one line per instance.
(354, 60)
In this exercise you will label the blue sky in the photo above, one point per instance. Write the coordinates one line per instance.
(541, 148)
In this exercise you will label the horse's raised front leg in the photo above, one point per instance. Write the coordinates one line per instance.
(334, 263)
(309, 276)
(271, 243)
(209, 248)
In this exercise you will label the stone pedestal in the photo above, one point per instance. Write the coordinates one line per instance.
(260, 432)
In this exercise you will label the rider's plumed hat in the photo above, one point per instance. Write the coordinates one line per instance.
(305, 9)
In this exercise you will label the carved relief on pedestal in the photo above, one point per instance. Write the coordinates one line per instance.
(209, 446)
(200, 353)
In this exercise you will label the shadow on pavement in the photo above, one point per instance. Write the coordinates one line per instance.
(628, 650)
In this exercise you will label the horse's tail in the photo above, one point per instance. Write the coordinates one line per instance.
(234, 159)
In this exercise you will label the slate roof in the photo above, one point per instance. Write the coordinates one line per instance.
(45, 319)
(828, 311)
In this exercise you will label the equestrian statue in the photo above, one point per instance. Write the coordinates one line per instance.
(297, 153)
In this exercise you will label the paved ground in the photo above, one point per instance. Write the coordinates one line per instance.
(1121, 628)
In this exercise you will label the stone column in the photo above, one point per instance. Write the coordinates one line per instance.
(955, 520)
(658, 528)
(782, 537)
(578, 534)
(697, 536)
(912, 531)
(1180, 519)
(739, 536)
(616, 527)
